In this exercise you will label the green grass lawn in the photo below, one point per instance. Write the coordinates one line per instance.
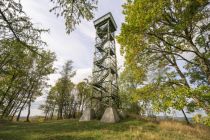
(95, 130)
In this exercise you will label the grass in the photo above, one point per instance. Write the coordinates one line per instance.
(125, 130)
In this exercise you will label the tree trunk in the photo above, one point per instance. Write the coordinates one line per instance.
(46, 115)
(52, 113)
(29, 110)
(9, 105)
(18, 117)
(9, 87)
(4, 62)
(18, 106)
(15, 111)
(185, 116)
(183, 78)
(29, 94)
(10, 109)
(58, 115)
(60, 111)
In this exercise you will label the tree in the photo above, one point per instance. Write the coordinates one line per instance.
(24, 65)
(157, 36)
(128, 83)
(170, 28)
(64, 98)
(63, 86)
(23, 76)
(60, 98)
(84, 95)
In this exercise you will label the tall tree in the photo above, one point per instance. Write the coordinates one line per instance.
(170, 28)
(24, 77)
(66, 74)
(159, 36)
(60, 98)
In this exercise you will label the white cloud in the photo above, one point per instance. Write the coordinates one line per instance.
(120, 58)
(87, 28)
(81, 75)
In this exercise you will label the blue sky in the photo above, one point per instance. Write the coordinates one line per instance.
(78, 46)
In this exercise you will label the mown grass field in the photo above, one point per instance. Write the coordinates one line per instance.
(125, 130)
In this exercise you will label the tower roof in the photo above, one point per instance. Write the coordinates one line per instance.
(102, 20)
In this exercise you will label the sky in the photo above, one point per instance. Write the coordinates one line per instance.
(78, 46)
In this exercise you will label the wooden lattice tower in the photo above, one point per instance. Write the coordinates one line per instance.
(105, 86)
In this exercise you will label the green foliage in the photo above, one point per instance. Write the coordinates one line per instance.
(16, 25)
(195, 74)
(202, 93)
(73, 11)
(156, 38)
(60, 98)
(84, 94)
(129, 80)
(159, 32)
(24, 65)
(23, 75)
(202, 119)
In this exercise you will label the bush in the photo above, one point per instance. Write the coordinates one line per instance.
(202, 119)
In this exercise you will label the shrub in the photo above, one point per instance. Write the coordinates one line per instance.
(202, 119)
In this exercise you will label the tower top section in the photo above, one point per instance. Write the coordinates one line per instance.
(104, 19)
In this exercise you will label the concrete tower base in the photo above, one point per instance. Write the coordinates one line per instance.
(110, 116)
(88, 114)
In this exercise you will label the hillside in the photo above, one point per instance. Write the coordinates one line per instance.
(95, 130)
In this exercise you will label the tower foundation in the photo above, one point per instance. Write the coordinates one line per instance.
(110, 115)
(88, 115)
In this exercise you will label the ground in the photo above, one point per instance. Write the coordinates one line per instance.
(125, 130)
